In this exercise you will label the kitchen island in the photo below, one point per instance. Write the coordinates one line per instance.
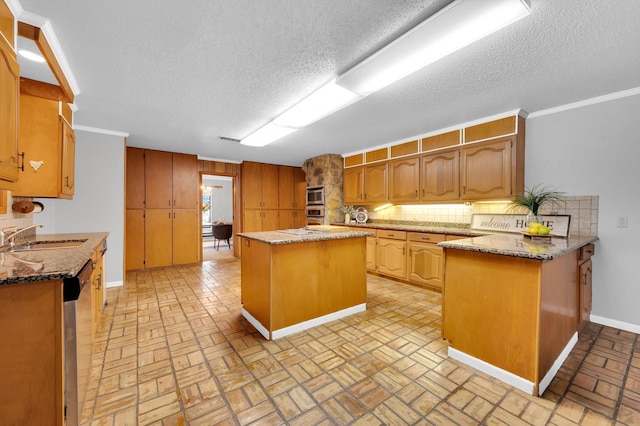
(35, 339)
(511, 306)
(292, 280)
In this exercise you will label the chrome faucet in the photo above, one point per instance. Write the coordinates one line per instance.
(3, 235)
(10, 238)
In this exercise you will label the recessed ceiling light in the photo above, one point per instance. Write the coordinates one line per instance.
(27, 54)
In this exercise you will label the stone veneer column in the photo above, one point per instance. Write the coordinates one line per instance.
(326, 170)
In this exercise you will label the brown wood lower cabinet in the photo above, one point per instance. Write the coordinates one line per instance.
(409, 256)
(31, 324)
(585, 271)
(390, 253)
(171, 237)
(134, 239)
(158, 238)
(288, 219)
(372, 245)
(254, 220)
(424, 259)
(186, 236)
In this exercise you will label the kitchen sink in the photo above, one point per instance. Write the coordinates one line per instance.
(48, 245)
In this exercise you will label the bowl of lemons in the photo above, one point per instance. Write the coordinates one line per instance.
(537, 230)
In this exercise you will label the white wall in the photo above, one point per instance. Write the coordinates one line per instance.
(222, 198)
(98, 201)
(595, 150)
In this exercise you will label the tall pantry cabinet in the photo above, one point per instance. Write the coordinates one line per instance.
(163, 214)
(273, 197)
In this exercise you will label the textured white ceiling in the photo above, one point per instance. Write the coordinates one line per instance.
(177, 75)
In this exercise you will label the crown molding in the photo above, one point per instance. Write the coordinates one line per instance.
(592, 101)
(102, 131)
(47, 29)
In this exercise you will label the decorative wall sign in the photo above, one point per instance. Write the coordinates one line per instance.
(516, 223)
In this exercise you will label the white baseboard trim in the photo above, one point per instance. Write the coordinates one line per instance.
(254, 322)
(276, 334)
(114, 284)
(632, 328)
(493, 371)
(546, 380)
(318, 321)
(510, 378)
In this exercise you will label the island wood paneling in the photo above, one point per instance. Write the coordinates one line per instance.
(493, 316)
(284, 285)
(558, 308)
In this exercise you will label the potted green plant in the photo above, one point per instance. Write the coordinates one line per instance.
(534, 198)
(349, 212)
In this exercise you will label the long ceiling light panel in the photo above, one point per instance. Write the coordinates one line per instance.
(454, 27)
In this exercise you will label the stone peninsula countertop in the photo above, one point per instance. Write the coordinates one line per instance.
(507, 244)
(518, 246)
(292, 236)
(450, 230)
(18, 267)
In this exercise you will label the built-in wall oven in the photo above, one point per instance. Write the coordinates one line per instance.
(315, 215)
(315, 196)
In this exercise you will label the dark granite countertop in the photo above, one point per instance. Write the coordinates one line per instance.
(290, 236)
(47, 264)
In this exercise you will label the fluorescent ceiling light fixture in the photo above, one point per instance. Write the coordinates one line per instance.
(324, 101)
(267, 134)
(31, 55)
(454, 27)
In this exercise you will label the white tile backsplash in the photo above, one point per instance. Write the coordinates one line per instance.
(583, 210)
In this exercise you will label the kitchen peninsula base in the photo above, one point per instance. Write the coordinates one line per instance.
(514, 318)
(292, 283)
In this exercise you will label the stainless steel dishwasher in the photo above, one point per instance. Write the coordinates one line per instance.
(77, 341)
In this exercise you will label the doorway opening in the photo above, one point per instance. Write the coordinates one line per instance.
(217, 216)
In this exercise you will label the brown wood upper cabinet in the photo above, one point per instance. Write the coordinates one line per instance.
(9, 98)
(480, 162)
(440, 176)
(170, 179)
(259, 185)
(365, 184)
(353, 180)
(292, 188)
(404, 179)
(135, 178)
(487, 170)
(375, 183)
(48, 144)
